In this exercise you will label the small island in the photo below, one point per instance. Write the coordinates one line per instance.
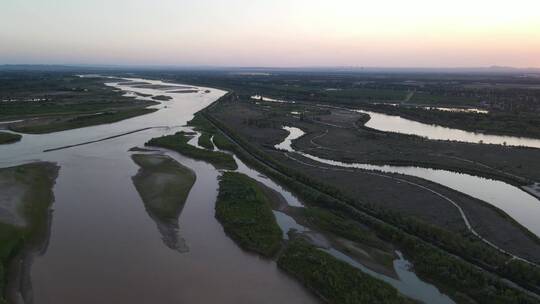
(9, 138)
(163, 184)
(244, 211)
(179, 143)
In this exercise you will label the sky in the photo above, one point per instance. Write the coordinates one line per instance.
(279, 33)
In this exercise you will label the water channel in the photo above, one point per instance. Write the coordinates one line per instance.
(104, 247)
(517, 203)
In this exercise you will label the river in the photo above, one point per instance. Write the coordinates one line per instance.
(104, 247)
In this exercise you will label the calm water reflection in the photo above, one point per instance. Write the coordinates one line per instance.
(391, 123)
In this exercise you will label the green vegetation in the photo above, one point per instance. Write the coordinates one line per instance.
(435, 251)
(333, 280)
(179, 143)
(58, 93)
(368, 94)
(205, 141)
(207, 130)
(342, 226)
(442, 98)
(60, 100)
(222, 142)
(8, 138)
(163, 184)
(162, 97)
(65, 123)
(37, 180)
(363, 87)
(11, 243)
(244, 211)
(201, 124)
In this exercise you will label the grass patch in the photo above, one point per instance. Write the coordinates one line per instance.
(202, 125)
(454, 262)
(179, 143)
(438, 98)
(207, 131)
(333, 280)
(162, 97)
(368, 94)
(81, 121)
(163, 184)
(9, 138)
(244, 211)
(205, 141)
(223, 143)
(342, 226)
(35, 93)
(496, 123)
(39, 179)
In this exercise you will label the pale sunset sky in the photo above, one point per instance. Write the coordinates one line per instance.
(382, 33)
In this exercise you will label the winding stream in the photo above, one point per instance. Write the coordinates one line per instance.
(407, 282)
(392, 123)
(520, 205)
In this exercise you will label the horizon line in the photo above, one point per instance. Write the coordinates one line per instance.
(262, 67)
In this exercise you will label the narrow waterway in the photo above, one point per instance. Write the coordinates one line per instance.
(104, 247)
(520, 205)
(407, 283)
(392, 123)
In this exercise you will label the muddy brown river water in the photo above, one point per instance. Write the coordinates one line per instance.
(104, 248)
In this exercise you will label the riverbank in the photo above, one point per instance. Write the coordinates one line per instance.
(179, 143)
(246, 227)
(244, 210)
(58, 101)
(492, 123)
(296, 180)
(67, 122)
(24, 207)
(333, 280)
(9, 138)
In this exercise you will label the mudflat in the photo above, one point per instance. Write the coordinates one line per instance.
(25, 200)
(163, 184)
